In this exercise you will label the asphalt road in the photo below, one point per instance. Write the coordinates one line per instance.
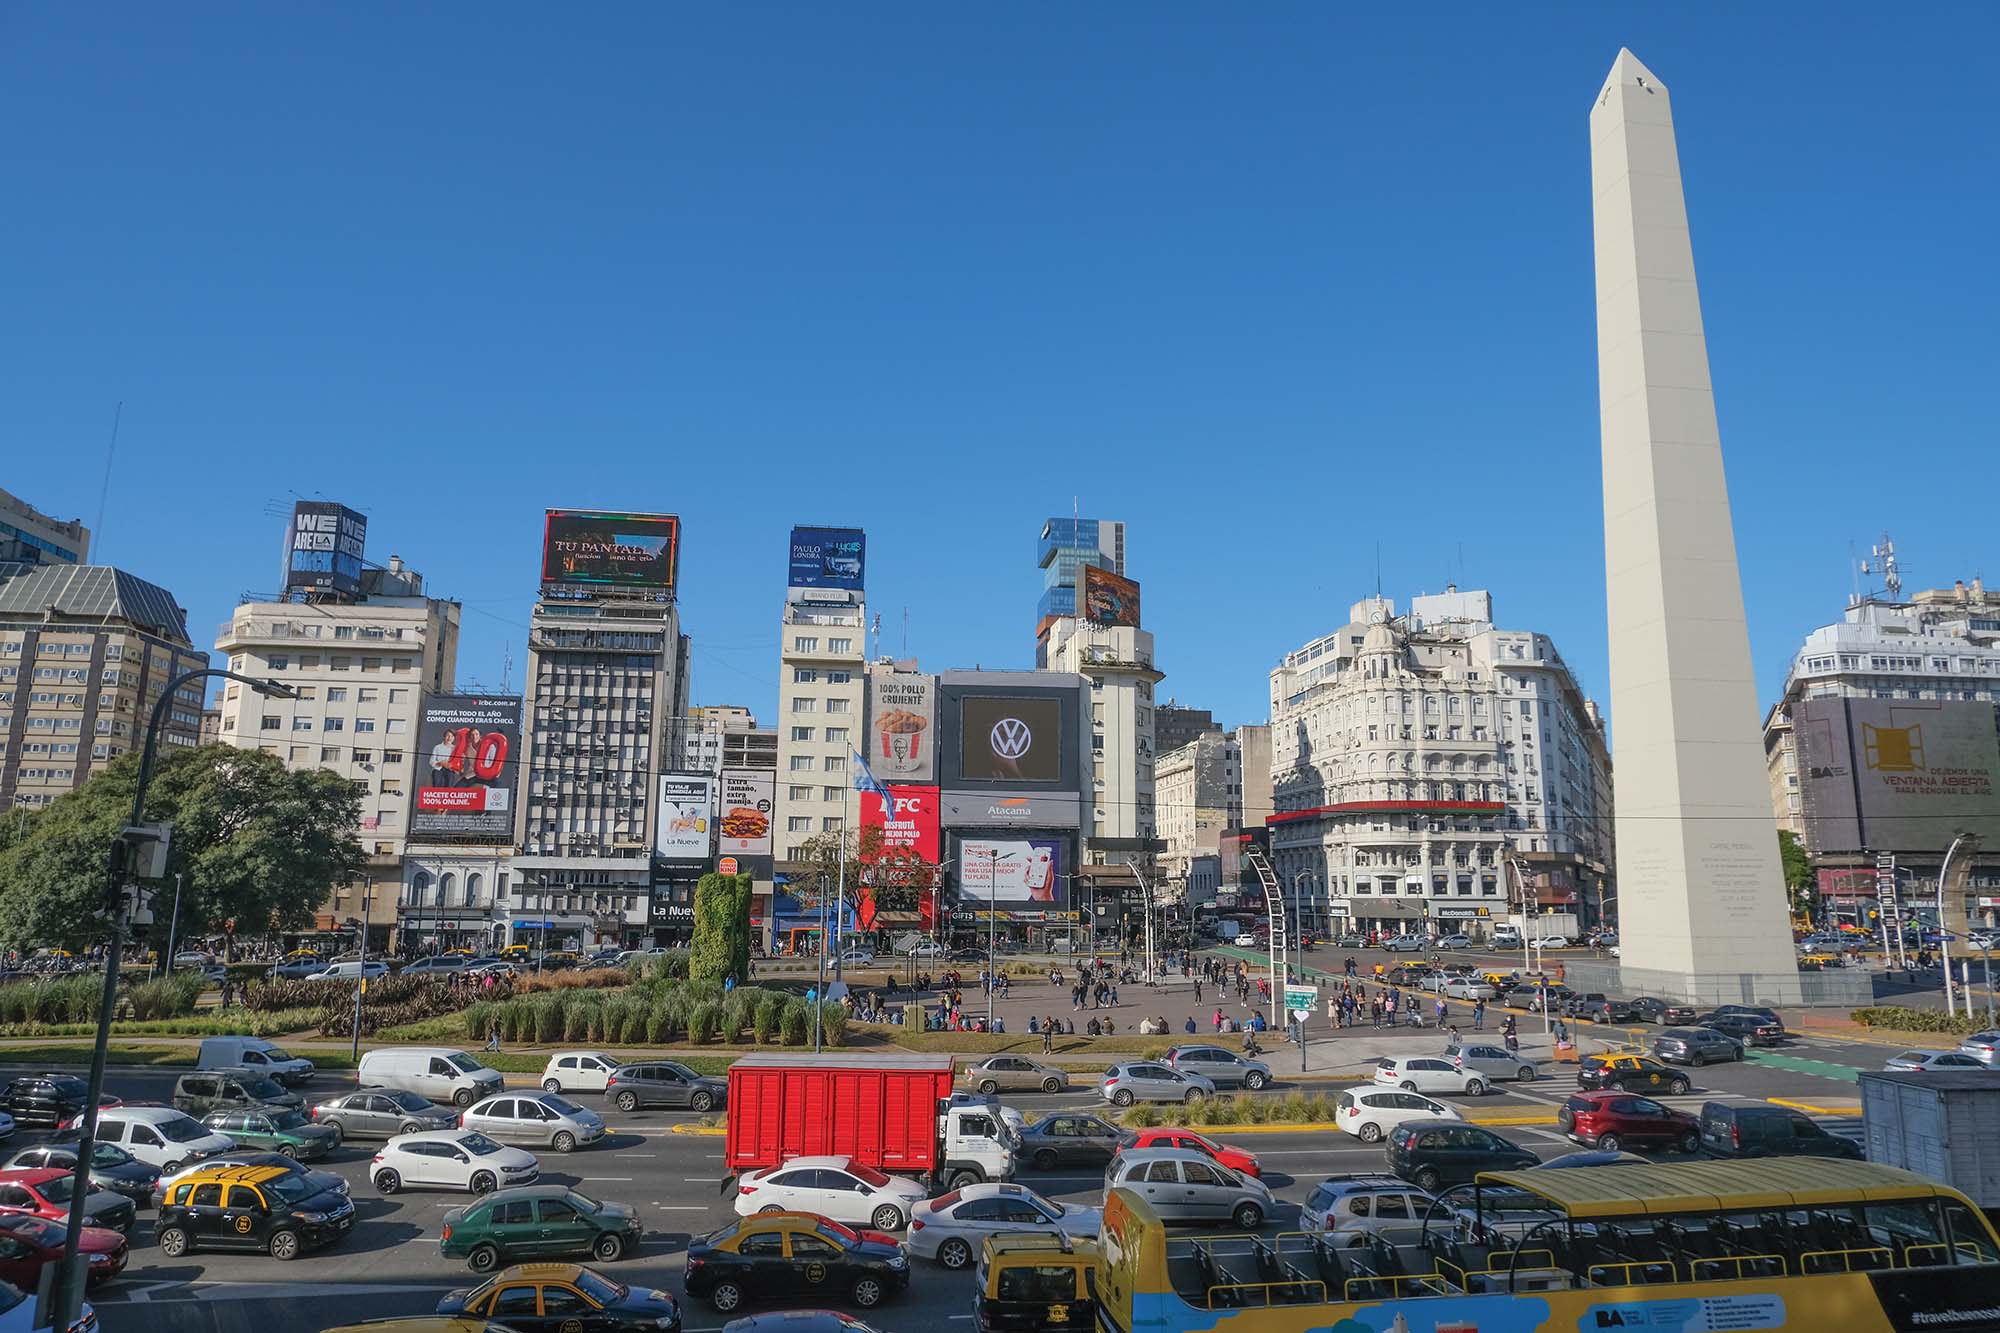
(389, 1264)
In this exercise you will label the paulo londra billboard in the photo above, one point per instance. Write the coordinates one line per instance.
(827, 558)
(615, 549)
(1109, 599)
(467, 763)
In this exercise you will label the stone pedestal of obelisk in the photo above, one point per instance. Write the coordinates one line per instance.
(1702, 909)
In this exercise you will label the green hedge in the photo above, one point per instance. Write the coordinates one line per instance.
(1294, 1108)
(653, 1013)
(1896, 1018)
(74, 999)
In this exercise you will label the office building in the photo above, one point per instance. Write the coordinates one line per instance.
(1067, 546)
(822, 652)
(30, 537)
(361, 663)
(85, 653)
(723, 736)
(606, 697)
(1174, 726)
(1412, 755)
(1117, 661)
(1196, 789)
(1882, 750)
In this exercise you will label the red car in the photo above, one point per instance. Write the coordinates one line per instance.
(28, 1244)
(1609, 1120)
(105, 1102)
(1163, 1137)
(45, 1192)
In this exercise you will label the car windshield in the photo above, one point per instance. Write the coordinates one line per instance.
(583, 1205)
(409, 1101)
(292, 1189)
(560, 1105)
(59, 1189)
(478, 1145)
(598, 1289)
(680, 1069)
(108, 1154)
(287, 1120)
(868, 1175)
(837, 1233)
(263, 1089)
(10, 1296)
(274, 1053)
(465, 1064)
(182, 1130)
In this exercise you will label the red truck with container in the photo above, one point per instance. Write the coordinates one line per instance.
(890, 1112)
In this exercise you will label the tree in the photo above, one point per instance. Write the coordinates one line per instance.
(896, 874)
(255, 843)
(1800, 880)
(720, 946)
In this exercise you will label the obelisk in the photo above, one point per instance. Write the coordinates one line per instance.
(1702, 909)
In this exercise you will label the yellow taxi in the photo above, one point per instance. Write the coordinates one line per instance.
(1036, 1280)
(1630, 1072)
(564, 1298)
(516, 951)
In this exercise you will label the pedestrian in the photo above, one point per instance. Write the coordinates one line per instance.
(493, 1036)
(1188, 1027)
(1453, 1042)
(1511, 1032)
(1048, 1035)
(1114, 997)
(1443, 1011)
(1479, 1014)
(1218, 1020)
(1197, 990)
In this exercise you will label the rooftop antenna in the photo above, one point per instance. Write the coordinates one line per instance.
(1853, 576)
(906, 632)
(104, 491)
(878, 637)
(1378, 571)
(506, 670)
(1883, 562)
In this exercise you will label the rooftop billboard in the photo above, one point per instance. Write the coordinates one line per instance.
(323, 548)
(1890, 775)
(1011, 739)
(619, 550)
(1109, 599)
(827, 558)
(467, 762)
(902, 717)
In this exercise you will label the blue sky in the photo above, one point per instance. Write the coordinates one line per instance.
(1277, 287)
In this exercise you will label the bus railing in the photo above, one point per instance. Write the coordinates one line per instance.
(1724, 1266)
(1237, 1295)
(1531, 1260)
(1854, 1260)
(1633, 1273)
(1388, 1286)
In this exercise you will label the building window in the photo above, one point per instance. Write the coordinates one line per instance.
(830, 823)
(368, 695)
(804, 703)
(835, 764)
(840, 645)
(336, 694)
(804, 676)
(839, 677)
(836, 735)
(836, 705)
(337, 724)
(802, 733)
(795, 792)
(302, 724)
(802, 763)
(802, 644)
(799, 824)
(364, 724)
(271, 723)
(329, 754)
(342, 662)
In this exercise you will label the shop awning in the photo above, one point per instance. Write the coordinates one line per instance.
(538, 925)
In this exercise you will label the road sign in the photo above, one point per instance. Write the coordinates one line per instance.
(1300, 997)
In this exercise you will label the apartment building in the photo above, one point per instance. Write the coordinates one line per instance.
(723, 736)
(820, 679)
(86, 652)
(30, 537)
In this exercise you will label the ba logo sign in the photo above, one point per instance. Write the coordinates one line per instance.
(1011, 738)
(1610, 1319)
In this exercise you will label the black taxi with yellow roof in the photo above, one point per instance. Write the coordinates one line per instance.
(1034, 1280)
(268, 1209)
(783, 1256)
(1630, 1071)
(564, 1298)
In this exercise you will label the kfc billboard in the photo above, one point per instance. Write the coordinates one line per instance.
(1887, 775)
(323, 548)
(467, 762)
(902, 718)
(914, 825)
(622, 550)
(1108, 599)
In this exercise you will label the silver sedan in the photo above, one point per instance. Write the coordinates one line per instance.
(542, 1118)
(951, 1227)
(1146, 1081)
(382, 1113)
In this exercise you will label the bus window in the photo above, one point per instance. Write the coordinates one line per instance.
(1901, 1225)
(1970, 1235)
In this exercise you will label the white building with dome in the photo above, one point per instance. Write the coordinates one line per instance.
(1413, 754)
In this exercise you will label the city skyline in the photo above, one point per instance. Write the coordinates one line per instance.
(1255, 432)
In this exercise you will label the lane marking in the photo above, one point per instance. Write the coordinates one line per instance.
(621, 1179)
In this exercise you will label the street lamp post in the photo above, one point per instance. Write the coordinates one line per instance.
(994, 857)
(69, 1284)
(1944, 935)
(361, 982)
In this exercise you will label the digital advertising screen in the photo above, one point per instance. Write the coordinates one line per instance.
(468, 760)
(827, 558)
(1011, 739)
(621, 550)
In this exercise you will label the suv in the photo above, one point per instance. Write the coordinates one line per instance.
(1434, 1156)
(261, 1208)
(1350, 1209)
(44, 1101)
(1696, 1046)
(1769, 1131)
(1746, 1028)
(1654, 1010)
(1608, 1121)
(1224, 1067)
(1603, 1009)
(663, 1083)
(230, 1090)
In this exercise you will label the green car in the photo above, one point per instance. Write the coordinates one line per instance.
(278, 1129)
(537, 1222)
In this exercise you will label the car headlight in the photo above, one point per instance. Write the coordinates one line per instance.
(310, 1217)
(899, 1261)
(666, 1321)
(100, 1258)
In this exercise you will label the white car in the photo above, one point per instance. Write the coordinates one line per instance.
(925, 949)
(1369, 1113)
(1429, 1073)
(1552, 942)
(1470, 988)
(160, 1136)
(951, 1227)
(454, 1159)
(578, 1071)
(857, 958)
(1454, 942)
(836, 1187)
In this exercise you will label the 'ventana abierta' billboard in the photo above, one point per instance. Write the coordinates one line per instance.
(902, 721)
(1109, 599)
(827, 558)
(687, 816)
(619, 550)
(1894, 775)
(323, 548)
(468, 759)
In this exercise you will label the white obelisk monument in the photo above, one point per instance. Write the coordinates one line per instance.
(1702, 909)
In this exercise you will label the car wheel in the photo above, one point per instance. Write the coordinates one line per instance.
(1428, 1180)
(462, 1098)
(387, 1182)
(551, 1085)
(173, 1168)
(285, 1246)
(958, 1180)
(886, 1218)
(1247, 1216)
(563, 1142)
(954, 1253)
(483, 1259)
(701, 1101)
(1697, 1059)
(1679, 1087)
(1475, 1087)
(1370, 1133)
(726, 1296)
(772, 1208)
(1526, 1074)
(289, 1149)
(1194, 1095)
(1052, 1085)
(1409, 1085)
(1255, 1079)
(1690, 1143)
(1122, 1097)
(483, 1182)
(1608, 1143)
(335, 1126)
(175, 1242)
(1045, 1159)
(628, 1101)
(868, 1293)
(1740, 1053)
(988, 1087)
(608, 1248)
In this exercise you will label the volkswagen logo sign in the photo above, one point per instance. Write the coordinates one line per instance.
(1011, 738)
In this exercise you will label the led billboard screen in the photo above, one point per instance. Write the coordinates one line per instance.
(622, 550)
(687, 816)
(1013, 874)
(1888, 775)
(467, 761)
(1109, 599)
(323, 548)
(827, 558)
(1011, 739)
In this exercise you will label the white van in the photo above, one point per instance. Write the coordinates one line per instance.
(160, 1136)
(351, 971)
(1507, 935)
(436, 1073)
(257, 1055)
